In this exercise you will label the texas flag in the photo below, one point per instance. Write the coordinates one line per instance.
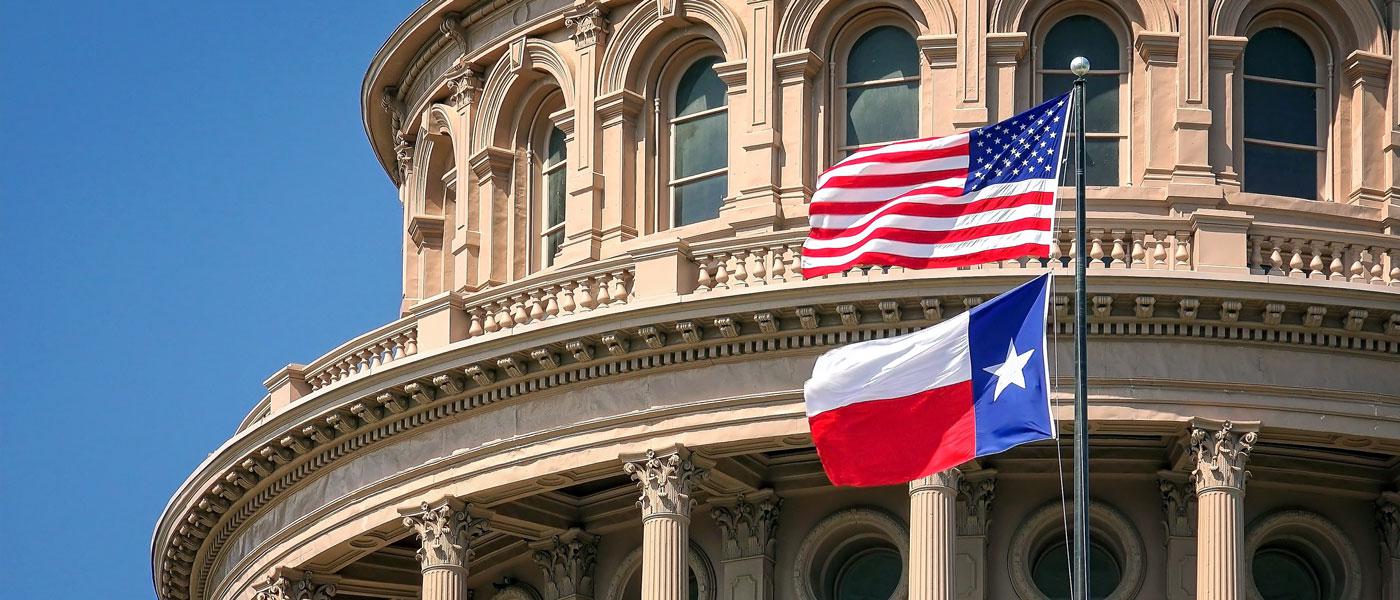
(893, 410)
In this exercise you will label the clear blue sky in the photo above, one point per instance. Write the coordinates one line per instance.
(187, 203)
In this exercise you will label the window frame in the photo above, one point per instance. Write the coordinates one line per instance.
(1323, 96)
(845, 41)
(665, 121)
(549, 114)
(1116, 26)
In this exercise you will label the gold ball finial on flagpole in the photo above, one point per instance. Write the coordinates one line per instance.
(1079, 66)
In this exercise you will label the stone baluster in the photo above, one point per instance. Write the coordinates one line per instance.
(1159, 251)
(759, 272)
(721, 271)
(1118, 255)
(741, 271)
(932, 530)
(568, 561)
(1095, 249)
(536, 303)
(706, 280)
(1139, 254)
(503, 314)
(567, 304)
(748, 534)
(1055, 261)
(796, 268)
(604, 295)
(1183, 251)
(1336, 270)
(622, 286)
(518, 309)
(551, 303)
(779, 271)
(446, 529)
(1388, 523)
(477, 325)
(1315, 263)
(1376, 270)
(665, 478)
(583, 297)
(1220, 451)
(1295, 261)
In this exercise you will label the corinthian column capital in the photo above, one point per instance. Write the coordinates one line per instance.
(589, 22)
(749, 529)
(568, 560)
(289, 585)
(1177, 500)
(942, 480)
(666, 479)
(1388, 522)
(1221, 450)
(447, 529)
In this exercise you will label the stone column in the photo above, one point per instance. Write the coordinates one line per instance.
(1224, 83)
(933, 513)
(748, 528)
(447, 530)
(976, 490)
(1388, 522)
(583, 208)
(568, 560)
(665, 478)
(1220, 450)
(1179, 519)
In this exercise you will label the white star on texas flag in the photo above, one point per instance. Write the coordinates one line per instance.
(1012, 372)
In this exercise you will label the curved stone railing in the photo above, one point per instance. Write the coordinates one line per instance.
(569, 291)
(364, 354)
(1305, 253)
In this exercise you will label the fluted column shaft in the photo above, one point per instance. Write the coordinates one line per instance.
(445, 583)
(665, 479)
(1221, 451)
(933, 509)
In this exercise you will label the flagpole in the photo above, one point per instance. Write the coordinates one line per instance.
(1080, 67)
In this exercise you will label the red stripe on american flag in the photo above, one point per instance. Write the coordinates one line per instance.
(902, 156)
(946, 236)
(894, 179)
(910, 262)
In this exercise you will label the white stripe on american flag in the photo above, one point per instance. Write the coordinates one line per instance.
(907, 204)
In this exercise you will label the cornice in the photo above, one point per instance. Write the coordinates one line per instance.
(251, 470)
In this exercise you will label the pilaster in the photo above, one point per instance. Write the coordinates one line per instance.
(1179, 522)
(1220, 450)
(1193, 114)
(795, 72)
(1367, 75)
(976, 492)
(752, 203)
(971, 110)
(748, 535)
(666, 479)
(492, 167)
(464, 82)
(583, 221)
(1223, 89)
(1388, 524)
(446, 529)
(618, 113)
(1159, 51)
(568, 561)
(932, 531)
(1004, 52)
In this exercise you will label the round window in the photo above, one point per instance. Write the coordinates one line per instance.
(1051, 572)
(1280, 574)
(870, 575)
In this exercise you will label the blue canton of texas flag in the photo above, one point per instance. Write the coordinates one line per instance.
(893, 410)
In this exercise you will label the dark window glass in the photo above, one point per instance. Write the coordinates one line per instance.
(1101, 96)
(1280, 113)
(1081, 35)
(699, 200)
(1280, 171)
(882, 113)
(1283, 575)
(554, 184)
(883, 53)
(870, 575)
(1051, 572)
(700, 88)
(1280, 54)
(701, 144)
(557, 149)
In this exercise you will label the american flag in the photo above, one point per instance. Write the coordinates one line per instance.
(964, 199)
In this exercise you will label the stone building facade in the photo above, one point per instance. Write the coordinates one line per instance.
(593, 390)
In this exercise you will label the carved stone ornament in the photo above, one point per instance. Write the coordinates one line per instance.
(281, 587)
(451, 28)
(403, 154)
(748, 529)
(589, 23)
(447, 531)
(665, 481)
(1388, 522)
(1221, 454)
(1177, 517)
(975, 498)
(464, 83)
(568, 562)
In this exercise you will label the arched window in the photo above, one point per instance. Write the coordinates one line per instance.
(1280, 573)
(699, 132)
(1051, 571)
(1105, 86)
(553, 174)
(880, 90)
(1282, 153)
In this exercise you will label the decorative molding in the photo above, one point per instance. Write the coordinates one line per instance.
(1221, 450)
(1388, 523)
(1327, 542)
(1045, 526)
(447, 530)
(837, 528)
(280, 586)
(568, 561)
(748, 529)
(1178, 499)
(666, 481)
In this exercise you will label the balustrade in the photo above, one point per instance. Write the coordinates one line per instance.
(1356, 261)
(364, 354)
(534, 301)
